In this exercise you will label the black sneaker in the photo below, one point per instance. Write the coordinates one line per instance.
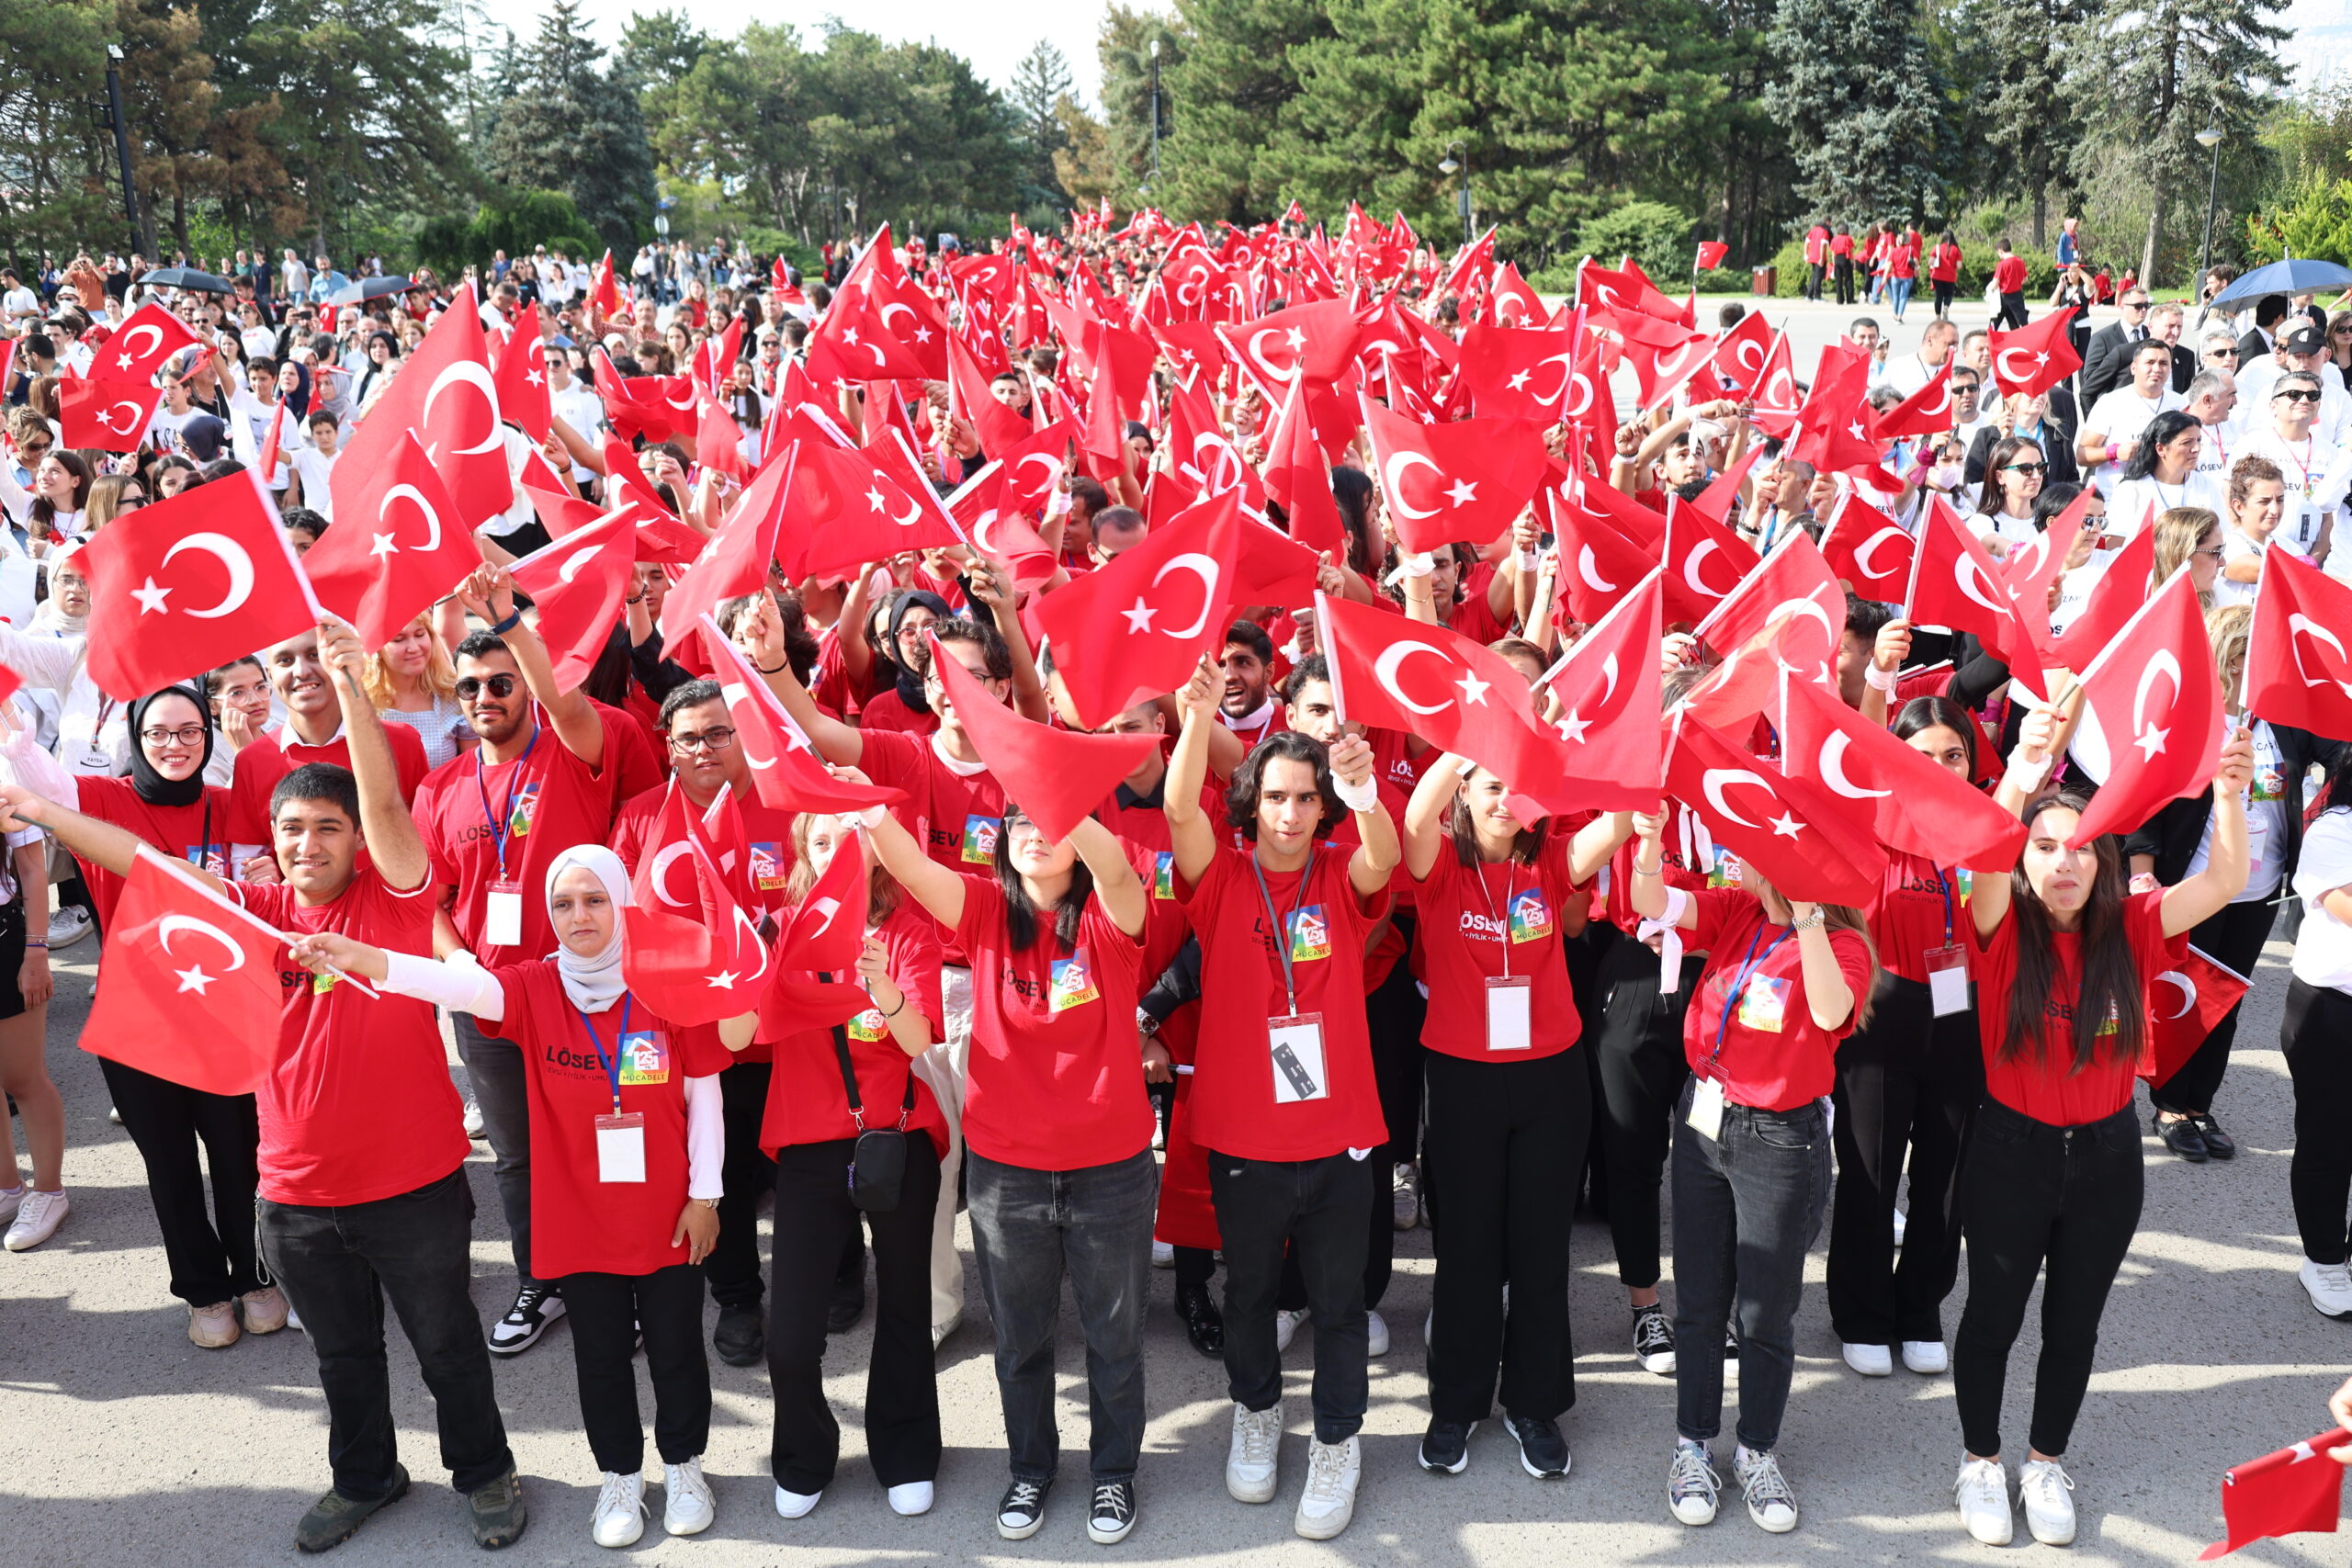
(2218, 1144)
(1445, 1446)
(741, 1337)
(334, 1518)
(1023, 1510)
(849, 1302)
(1203, 1325)
(1542, 1452)
(1654, 1340)
(496, 1512)
(1112, 1515)
(2182, 1137)
(535, 1310)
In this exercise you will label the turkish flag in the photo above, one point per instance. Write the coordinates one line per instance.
(1742, 354)
(1660, 373)
(1062, 776)
(1704, 561)
(1394, 673)
(969, 397)
(785, 770)
(709, 964)
(1799, 837)
(1298, 477)
(2296, 1489)
(1516, 304)
(604, 289)
(272, 444)
(1869, 550)
(136, 350)
(521, 377)
(1710, 256)
(1778, 405)
(880, 325)
(983, 509)
(2029, 570)
(1913, 804)
(105, 416)
(718, 440)
(579, 584)
(2298, 670)
(1270, 567)
(1927, 411)
(1597, 565)
(2114, 599)
(1622, 291)
(1833, 428)
(1787, 615)
(1954, 583)
(1519, 374)
(2162, 749)
(445, 393)
(1611, 745)
(187, 984)
(2036, 357)
(186, 584)
(1137, 627)
(1481, 472)
(842, 508)
(735, 559)
(827, 929)
(399, 549)
(1314, 343)
(2185, 1005)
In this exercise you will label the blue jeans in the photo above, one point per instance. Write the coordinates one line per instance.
(1029, 1228)
(1899, 290)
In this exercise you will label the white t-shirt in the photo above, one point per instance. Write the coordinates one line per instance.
(2265, 822)
(2324, 946)
(19, 301)
(2127, 507)
(2121, 415)
(2219, 449)
(2334, 404)
(578, 406)
(2317, 472)
(314, 467)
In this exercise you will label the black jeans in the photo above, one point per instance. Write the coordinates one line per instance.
(212, 1251)
(733, 1266)
(2011, 314)
(1508, 1139)
(1745, 1210)
(1030, 1228)
(1943, 286)
(1909, 1081)
(813, 1217)
(1841, 273)
(1637, 1058)
(1315, 1206)
(606, 1311)
(1812, 281)
(2233, 937)
(2036, 1199)
(2313, 1036)
(337, 1265)
(495, 1073)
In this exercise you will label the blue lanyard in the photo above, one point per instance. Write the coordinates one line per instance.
(611, 1062)
(498, 827)
(1281, 927)
(1739, 984)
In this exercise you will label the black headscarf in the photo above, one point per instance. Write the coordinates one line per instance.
(151, 786)
(910, 681)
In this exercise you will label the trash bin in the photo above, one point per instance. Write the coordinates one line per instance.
(1766, 281)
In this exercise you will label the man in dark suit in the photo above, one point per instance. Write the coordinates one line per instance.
(2106, 361)
(2268, 312)
(2166, 321)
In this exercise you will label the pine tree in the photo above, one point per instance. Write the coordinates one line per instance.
(1226, 93)
(2030, 122)
(577, 130)
(1862, 104)
(1124, 49)
(1040, 82)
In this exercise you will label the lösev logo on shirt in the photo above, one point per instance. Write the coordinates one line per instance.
(1073, 982)
(767, 865)
(980, 835)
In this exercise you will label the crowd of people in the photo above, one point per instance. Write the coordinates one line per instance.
(1295, 985)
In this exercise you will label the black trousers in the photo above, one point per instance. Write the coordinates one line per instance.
(1842, 274)
(1908, 1083)
(1317, 1207)
(212, 1249)
(733, 1266)
(1393, 1017)
(606, 1311)
(813, 1217)
(2235, 936)
(2062, 1201)
(1812, 281)
(1509, 1137)
(1943, 286)
(2011, 314)
(2314, 1035)
(1637, 1059)
(1194, 1266)
(337, 1265)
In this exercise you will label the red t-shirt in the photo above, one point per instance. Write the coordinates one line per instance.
(549, 801)
(1056, 1078)
(1325, 921)
(2049, 1089)
(1901, 259)
(2008, 274)
(1920, 905)
(956, 816)
(806, 1102)
(1815, 238)
(1772, 1056)
(260, 765)
(1943, 265)
(580, 1222)
(1394, 764)
(1463, 913)
(760, 865)
(630, 754)
(358, 1104)
(1841, 245)
(888, 711)
(196, 834)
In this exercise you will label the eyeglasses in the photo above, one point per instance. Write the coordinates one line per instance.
(2215, 552)
(2025, 467)
(2295, 395)
(186, 735)
(713, 740)
(470, 687)
(2135, 304)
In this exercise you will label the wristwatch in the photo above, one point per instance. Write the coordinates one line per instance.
(705, 1203)
(1146, 1025)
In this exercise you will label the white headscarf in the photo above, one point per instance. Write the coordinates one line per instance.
(47, 615)
(595, 983)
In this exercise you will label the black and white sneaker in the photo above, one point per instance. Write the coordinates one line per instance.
(1445, 1446)
(1114, 1513)
(526, 1322)
(1542, 1451)
(1023, 1510)
(1654, 1340)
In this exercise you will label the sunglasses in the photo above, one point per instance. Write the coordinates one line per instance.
(470, 687)
(2297, 395)
(2129, 305)
(2024, 469)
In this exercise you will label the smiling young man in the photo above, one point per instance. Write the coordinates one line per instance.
(363, 1193)
(314, 732)
(1248, 706)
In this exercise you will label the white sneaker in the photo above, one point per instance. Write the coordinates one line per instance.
(1377, 1333)
(1983, 1493)
(1163, 1254)
(1407, 1200)
(909, 1498)
(1249, 1462)
(1329, 1500)
(1692, 1485)
(473, 1119)
(1927, 1357)
(1900, 1220)
(11, 1200)
(1870, 1360)
(688, 1507)
(37, 1220)
(619, 1518)
(68, 926)
(2046, 1490)
(940, 1331)
(1771, 1502)
(1287, 1327)
(2330, 1286)
(794, 1505)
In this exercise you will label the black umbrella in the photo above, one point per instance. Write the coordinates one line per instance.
(185, 278)
(371, 288)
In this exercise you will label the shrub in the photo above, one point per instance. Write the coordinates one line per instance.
(1658, 236)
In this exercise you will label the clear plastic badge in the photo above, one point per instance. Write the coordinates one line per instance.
(1296, 1043)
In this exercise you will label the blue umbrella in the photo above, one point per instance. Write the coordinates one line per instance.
(2296, 274)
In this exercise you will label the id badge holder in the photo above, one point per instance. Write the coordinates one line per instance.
(1296, 1043)
(620, 1148)
(1706, 1116)
(503, 926)
(1510, 1023)
(1946, 979)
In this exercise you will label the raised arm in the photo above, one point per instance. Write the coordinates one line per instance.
(99, 843)
(1116, 882)
(836, 742)
(1988, 899)
(1646, 897)
(1376, 858)
(939, 890)
(1425, 815)
(490, 594)
(392, 840)
(1827, 996)
(2194, 899)
(1595, 843)
(1190, 831)
(991, 581)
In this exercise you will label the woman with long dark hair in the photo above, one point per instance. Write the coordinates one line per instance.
(2014, 472)
(2162, 475)
(2063, 957)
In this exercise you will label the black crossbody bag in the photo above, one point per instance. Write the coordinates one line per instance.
(877, 1161)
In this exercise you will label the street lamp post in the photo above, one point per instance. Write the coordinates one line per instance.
(122, 137)
(1155, 111)
(2210, 137)
(1452, 165)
